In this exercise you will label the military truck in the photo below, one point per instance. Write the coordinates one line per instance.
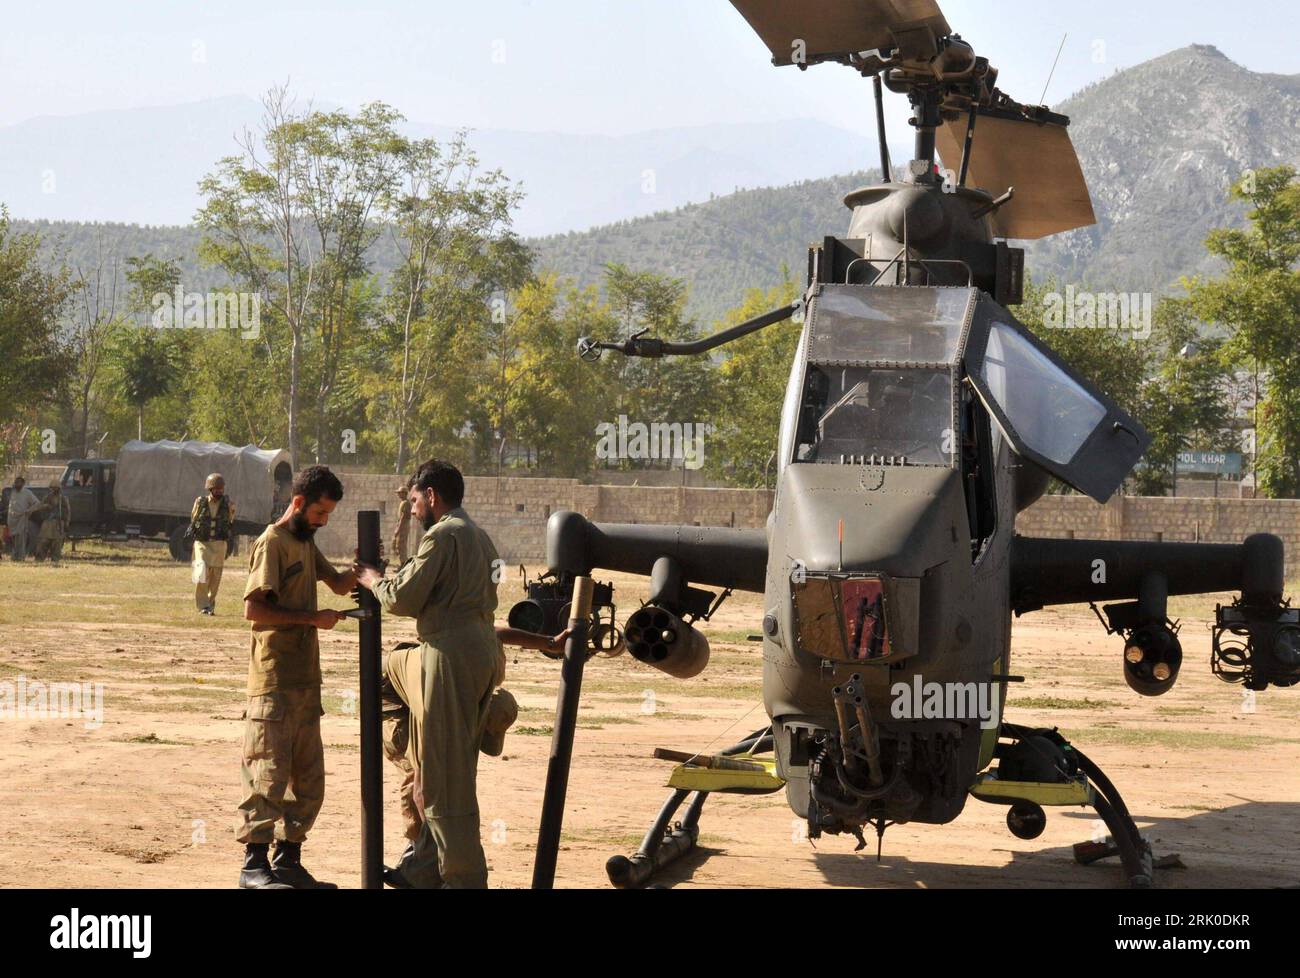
(148, 491)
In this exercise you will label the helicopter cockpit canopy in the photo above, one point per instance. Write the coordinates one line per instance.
(882, 385)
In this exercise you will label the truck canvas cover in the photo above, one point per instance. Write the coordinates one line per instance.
(166, 477)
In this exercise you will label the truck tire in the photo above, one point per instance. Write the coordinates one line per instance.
(182, 550)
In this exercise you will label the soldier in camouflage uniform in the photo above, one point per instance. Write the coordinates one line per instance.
(58, 517)
(212, 521)
(283, 756)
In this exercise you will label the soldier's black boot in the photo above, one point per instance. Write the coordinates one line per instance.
(256, 874)
(286, 867)
(393, 876)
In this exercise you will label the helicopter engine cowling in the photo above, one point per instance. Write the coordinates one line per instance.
(658, 638)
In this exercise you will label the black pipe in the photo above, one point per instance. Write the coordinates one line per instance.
(1054, 572)
(372, 758)
(886, 167)
(707, 556)
(970, 143)
(654, 349)
(566, 720)
(633, 873)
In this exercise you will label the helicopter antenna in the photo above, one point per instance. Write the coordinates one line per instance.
(1052, 73)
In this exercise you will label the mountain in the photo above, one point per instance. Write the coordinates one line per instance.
(1160, 144)
(143, 166)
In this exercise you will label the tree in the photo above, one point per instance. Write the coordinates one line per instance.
(752, 387)
(256, 227)
(36, 361)
(94, 322)
(1185, 404)
(557, 400)
(346, 167)
(147, 360)
(1257, 301)
(678, 390)
(451, 225)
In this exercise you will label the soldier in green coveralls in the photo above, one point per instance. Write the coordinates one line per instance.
(450, 588)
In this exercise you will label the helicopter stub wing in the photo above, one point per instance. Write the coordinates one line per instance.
(831, 30)
(1038, 159)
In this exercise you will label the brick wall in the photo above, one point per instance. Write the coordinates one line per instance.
(514, 511)
(1171, 520)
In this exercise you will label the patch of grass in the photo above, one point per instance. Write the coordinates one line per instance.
(1057, 703)
(733, 636)
(533, 731)
(153, 740)
(1088, 737)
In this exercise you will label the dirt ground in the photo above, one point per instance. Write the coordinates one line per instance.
(148, 797)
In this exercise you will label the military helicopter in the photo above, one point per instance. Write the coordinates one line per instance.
(919, 420)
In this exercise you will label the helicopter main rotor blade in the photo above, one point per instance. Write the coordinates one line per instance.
(831, 30)
(1038, 159)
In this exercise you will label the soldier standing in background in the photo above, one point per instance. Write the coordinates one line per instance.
(212, 521)
(402, 535)
(58, 517)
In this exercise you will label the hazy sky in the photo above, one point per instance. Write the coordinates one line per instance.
(603, 66)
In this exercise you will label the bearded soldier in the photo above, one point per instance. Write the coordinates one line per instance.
(212, 521)
(450, 588)
(284, 762)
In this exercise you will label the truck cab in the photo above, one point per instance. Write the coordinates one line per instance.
(88, 487)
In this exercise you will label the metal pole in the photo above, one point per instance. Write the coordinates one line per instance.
(566, 719)
(372, 759)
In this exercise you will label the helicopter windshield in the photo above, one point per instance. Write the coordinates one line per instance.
(865, 414)
(856, 323)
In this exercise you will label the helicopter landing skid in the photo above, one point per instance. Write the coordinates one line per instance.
(668, 841)
(1084, 785)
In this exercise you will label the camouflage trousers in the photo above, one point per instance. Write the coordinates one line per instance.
(397, 737)
(49, 546)
(283, 768)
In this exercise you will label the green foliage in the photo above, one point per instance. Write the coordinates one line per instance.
(1257, 303)
(36, 361)
(752, 392)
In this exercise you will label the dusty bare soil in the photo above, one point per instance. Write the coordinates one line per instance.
(148, 798)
